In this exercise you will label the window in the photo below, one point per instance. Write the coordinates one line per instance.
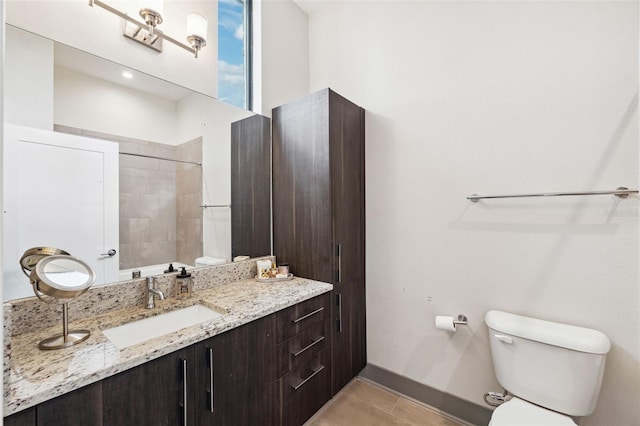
(234, 53)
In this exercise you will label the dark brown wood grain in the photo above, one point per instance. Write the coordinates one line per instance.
(289, 322)
(251, 187)
(25, 417)
(298, 405)
(77, 408)
(319, 205)
(244, 372)
(150, 394)
(302, 187)
(303, 346)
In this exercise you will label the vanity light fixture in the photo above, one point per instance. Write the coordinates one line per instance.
(127, 75)
(149, 35)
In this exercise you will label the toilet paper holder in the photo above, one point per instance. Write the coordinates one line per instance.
(462, 320)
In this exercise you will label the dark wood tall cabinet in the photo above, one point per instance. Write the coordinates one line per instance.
(251, 187)
(319, 212)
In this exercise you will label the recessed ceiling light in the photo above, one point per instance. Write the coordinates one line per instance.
(127, 74)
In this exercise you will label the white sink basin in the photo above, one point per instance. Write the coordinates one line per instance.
(140, 331)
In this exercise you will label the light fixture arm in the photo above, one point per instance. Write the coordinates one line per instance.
(159, 34)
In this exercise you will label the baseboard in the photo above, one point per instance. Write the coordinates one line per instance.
(447, 403)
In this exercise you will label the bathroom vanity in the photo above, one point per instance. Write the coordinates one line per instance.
(265, 360)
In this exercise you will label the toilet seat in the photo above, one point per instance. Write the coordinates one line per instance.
(522, 413)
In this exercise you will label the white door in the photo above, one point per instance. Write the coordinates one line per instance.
(60, 191)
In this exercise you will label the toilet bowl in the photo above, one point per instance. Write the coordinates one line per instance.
(522, 413)
(552, 370)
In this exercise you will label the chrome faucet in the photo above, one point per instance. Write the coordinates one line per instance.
(152, 293)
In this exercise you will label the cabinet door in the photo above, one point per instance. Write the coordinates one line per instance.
(25, 417)
(346, 135)
(302, 229)
(243, 361)
(78, 408)
(155, 393)
(251, 187)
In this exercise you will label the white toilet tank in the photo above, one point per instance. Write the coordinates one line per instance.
(209, 261)
(557, 366)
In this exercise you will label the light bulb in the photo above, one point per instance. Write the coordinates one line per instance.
(197, 25)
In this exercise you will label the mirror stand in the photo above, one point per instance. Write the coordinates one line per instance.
(67, 338)
(61, 277)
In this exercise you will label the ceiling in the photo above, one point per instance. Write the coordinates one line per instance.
(311, 6)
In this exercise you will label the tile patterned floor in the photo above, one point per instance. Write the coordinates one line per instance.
(362, 403)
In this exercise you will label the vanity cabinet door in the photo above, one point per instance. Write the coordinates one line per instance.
(240, 366)
(78, 408)
(152, 393)
(22, 418)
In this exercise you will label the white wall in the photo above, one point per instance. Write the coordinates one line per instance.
(493, 97)
(2, 91)
(87, 102)
(281, 54)
(94, 30)
(28, 88)
(200, 116)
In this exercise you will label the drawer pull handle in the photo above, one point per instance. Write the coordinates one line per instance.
(308, 346)
(316, 371)
(308, 315)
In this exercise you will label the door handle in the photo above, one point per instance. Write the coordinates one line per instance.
(339, 256)
(110, 253)
(339, 319)
(211, 380)
(184, 392)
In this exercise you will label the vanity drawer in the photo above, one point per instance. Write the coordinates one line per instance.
(299, 317)
(305, 389)
(303, 346)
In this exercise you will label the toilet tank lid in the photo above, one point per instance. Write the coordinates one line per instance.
(210, 260)
(552, 333)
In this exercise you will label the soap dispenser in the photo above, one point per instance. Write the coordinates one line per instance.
(184, 284)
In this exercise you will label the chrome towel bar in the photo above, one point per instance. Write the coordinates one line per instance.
(208, 206)
(160, 158)
(621, 192)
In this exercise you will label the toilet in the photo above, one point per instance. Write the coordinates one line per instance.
(209, 261)
(553, 371)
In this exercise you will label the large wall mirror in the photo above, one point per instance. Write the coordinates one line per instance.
(99, 158)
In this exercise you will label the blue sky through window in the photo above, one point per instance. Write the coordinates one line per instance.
(231, 74)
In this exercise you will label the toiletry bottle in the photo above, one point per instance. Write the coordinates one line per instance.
(184, 284)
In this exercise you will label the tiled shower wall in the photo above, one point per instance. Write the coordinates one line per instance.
(189, 199)
(160, 214)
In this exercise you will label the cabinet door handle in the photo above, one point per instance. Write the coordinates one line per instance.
(316, 371)
(339, 254)
(295, 321)
(339, 304)
(211, 376)
(184, 392)
(308, 346)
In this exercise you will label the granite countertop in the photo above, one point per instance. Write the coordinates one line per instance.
(36, 376)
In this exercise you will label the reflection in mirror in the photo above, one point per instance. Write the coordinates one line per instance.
(65, 275)
(172, 156)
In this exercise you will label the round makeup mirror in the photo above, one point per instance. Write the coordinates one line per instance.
(55, 273)
(62, 276)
